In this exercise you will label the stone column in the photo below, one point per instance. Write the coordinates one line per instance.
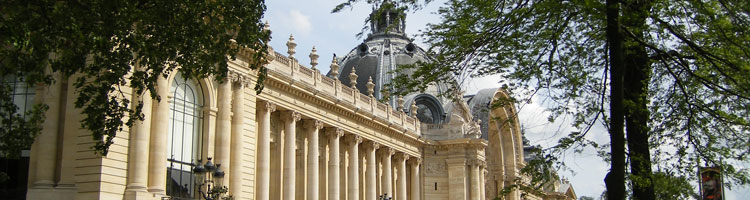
(138, 146)
(262, 189)
(223, 127)
(482, 184)
(401, 166)
(474, 185)
(387, 172)
(353, 186)
(313, 154)
(415, 183)
(334, 134)
(157, 179)
(290, 140)
(372, 170)
(46, 142)
(238, 125)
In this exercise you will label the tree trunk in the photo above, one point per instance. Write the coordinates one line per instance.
(615, 179)
(638, 75)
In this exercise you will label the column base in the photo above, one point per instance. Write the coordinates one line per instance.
(43, 184)
(157, 191)
(43, 193)
(141, 194)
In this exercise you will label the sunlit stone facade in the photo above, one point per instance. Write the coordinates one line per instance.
(307, 136)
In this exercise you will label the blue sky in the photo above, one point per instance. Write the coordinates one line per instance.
(312, 24)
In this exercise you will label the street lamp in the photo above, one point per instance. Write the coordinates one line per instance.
(212, 177)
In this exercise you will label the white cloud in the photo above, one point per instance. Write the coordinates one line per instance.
(299, 22)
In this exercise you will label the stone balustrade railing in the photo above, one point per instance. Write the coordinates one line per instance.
(345, 96)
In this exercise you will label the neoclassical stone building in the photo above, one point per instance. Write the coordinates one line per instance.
(307, 136)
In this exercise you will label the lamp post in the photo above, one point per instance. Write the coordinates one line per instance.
(212, 177)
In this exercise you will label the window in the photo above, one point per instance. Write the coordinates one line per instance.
(184, 139)
(21, 93)
(17, 169)
(22, 97)
(429, 109)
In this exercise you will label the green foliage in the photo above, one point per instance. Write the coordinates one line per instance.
(102, 45)
(670, 186)
(698, 93)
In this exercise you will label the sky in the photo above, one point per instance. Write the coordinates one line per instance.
(312, 24)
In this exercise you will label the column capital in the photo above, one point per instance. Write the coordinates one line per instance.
(268, 106)
(238, 77)
(354, 139)
(290, 115)
(387, 151)
(477, 162)
(313, 124)
(402, 156)
(372, 144)
(334, 132)
(416, 160)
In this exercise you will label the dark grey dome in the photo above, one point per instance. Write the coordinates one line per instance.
(381, 53)
(376, 57)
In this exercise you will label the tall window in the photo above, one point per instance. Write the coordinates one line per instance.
(184, 139)
(22, 96)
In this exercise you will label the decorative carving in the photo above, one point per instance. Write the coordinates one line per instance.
(354, 139)
(353, 78)
(403, 156)
(370, 87)
(313, 58)
(291, 45)
(401, 103)
(314, 124)
(239, 78)
(435, 167)
(372, 144)
(413, 109)
(416, 160)
(268, 106)
(290, 115)
(334, 68)
(387, 151)
(335, 132)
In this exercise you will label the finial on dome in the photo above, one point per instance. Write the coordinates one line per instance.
(334, 68)
(353, 78)
(291, 45)
(314, 58)
(413, 108)
(370, 87)
(400, 103)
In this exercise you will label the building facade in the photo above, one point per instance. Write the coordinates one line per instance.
(307, 136)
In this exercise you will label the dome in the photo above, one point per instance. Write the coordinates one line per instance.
(381, 53)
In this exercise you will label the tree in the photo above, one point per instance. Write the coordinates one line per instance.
(673, 70)
(102, 45)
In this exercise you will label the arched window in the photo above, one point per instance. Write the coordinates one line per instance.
(429, 109)
(184, 139)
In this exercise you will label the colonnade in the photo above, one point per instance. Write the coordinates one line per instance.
(342, 180)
